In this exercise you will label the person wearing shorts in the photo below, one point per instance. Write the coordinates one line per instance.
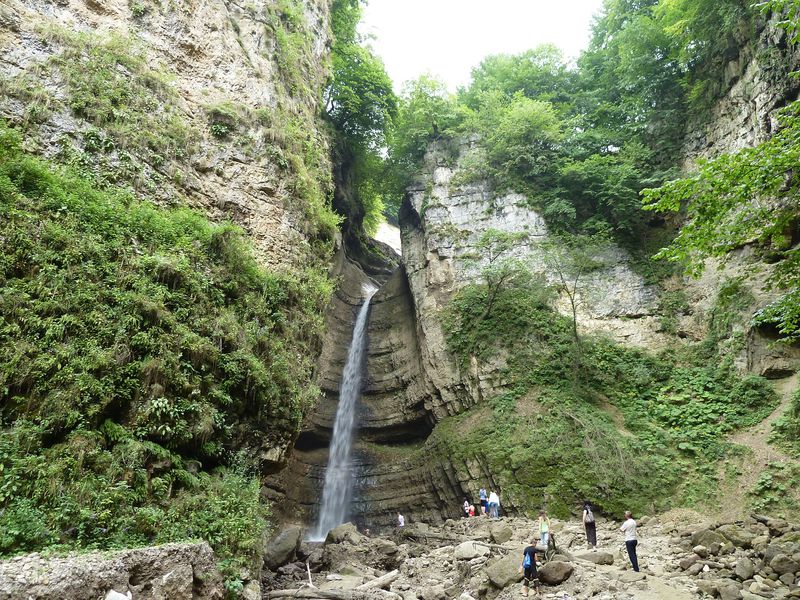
(530, 577)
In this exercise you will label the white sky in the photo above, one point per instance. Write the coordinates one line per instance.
(447, 38)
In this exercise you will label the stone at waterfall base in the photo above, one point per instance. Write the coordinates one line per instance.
(281, 549)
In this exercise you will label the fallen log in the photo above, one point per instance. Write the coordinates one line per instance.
(449, 538)
(307, 593)
(380, 582)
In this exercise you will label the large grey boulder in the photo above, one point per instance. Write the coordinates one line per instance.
(729, 590)
(555, 572)
(744, 569)
(784, 564)
(505, 571)
(597, 557)
(174, 571)
(470, 550)
(738, 536)
(708, 538)
(345, 532)
(501, 533)
(282, 547)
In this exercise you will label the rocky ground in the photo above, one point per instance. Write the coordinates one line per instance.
(682, 557)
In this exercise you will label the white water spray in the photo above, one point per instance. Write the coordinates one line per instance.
(339, 476)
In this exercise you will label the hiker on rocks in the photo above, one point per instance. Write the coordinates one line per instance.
(528, 569)
(483, 498)
(544, 528)
(494, 505)
(466, 507)
(471, 510)
(401, 521)
(589, 526)
(629, 529)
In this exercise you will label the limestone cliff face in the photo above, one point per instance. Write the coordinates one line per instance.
(758, 85)
(217, 82)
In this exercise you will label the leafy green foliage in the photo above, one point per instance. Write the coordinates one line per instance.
(361, 105)
(627, 429)
(786, 430)
(138, 345)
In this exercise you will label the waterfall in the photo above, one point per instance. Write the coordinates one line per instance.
(339, 473)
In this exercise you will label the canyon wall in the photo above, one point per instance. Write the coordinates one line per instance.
(195, 102)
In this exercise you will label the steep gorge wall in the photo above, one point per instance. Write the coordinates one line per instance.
(233, 82)
(758, 84)
(414, 382)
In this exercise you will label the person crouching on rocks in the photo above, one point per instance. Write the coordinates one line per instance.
(629, 529)
(528, 569)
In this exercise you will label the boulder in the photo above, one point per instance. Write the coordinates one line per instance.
(744, 569)
(500, 533)
(115, 595)
(701, 551)
(345, 532)
(688, 561)
(555, 572)
(433, 592)
(632, 577)
(470, 550)
(738, 536)
(597, 557)
(783, 564)
(174, 571)
(282, 547)
(729, 590)
(708, 587)
(505, 571)
(707, 538)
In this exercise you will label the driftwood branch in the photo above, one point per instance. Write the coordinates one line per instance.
(380, 582)
(449, 538)
(370, 589)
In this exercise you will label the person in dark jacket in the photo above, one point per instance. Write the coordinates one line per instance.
(528, 569)
(589, 525)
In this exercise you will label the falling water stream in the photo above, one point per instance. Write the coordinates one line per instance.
(339, 476)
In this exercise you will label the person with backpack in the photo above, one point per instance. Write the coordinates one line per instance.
(528, 569)
(589, 526)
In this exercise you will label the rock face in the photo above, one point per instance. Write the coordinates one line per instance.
(220, 60)
(758, 85)
(175, 571)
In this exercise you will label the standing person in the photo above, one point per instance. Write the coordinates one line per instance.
(544, 528)
(466, 507)
(401, 521)
(589, 526)
(483, 498)
(494, 502)
(629, 529)
(528, 568)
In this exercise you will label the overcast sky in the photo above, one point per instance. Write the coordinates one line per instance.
(448, 37)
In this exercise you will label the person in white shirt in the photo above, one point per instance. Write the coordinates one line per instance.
(401, 520)
(494, 504)
(629, 529)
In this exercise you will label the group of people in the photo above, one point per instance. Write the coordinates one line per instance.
(489, 504)
(542, 540)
